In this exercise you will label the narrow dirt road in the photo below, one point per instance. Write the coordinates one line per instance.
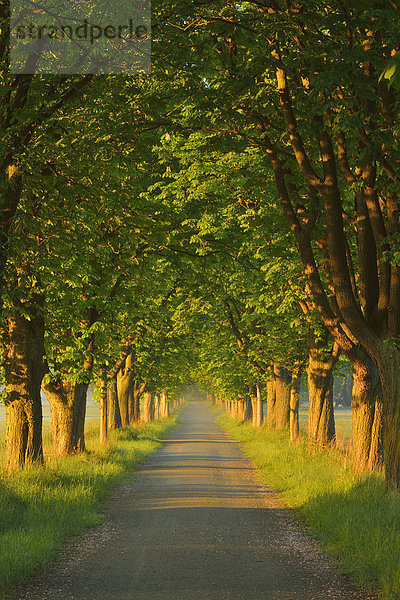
(195, 523)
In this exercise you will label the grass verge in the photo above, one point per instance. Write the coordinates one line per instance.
(41, 507)
(352, 514)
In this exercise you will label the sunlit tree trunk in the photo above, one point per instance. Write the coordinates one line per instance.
(271, 402)
(234, 409)
(23, 360)
(282, 396)
(256, 402)
(113, 414)
(322, 357)
(125, 383)
(125, 377)
(367, 415)
(156, 406)
(248, 410)
(103, 384)
(240, 408)
(148, 411)
(131, 402)
(244, 412)
(294, 404)
(164, 405)
(138, 390)
(67, 401)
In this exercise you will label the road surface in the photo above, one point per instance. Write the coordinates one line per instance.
(195, 523)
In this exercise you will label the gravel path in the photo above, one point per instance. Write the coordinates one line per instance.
(195, 523)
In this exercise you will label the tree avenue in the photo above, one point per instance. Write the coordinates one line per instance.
(231, 219)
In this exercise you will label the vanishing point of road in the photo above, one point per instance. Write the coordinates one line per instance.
(195, 523)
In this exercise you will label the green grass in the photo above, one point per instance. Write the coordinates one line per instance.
(41, 507)
(352, 514)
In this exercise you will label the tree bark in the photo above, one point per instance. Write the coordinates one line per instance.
(138, 389)
(282, 401)
(271, 402)
(164, 405)
(103, 385)
(248, 411)
(23, 361)
(256, 402)
(67, 401)
(240, 408)
(294, 405)
(244, 412)
(131, 402)
(125, 376)
(114, 417)
(389, 369)
(156, 407)
(367, 415)
(321, 422)
(148, 411)
(234, 409)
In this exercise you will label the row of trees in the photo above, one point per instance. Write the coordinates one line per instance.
(303, 88)
(232, 218)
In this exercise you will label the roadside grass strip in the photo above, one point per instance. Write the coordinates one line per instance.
(40, 508)
(357, 520)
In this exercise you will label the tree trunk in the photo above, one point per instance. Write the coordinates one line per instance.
(124, 382)
(157, 407)
(244, 411)
(294, 405)
(23, 362)
(113, 414)
(388, 361)
(67, 401)
(136, 406)
(131, 402)
(282, 396)
(234, 409)
(376, 455)
(240, 408)
(103, 385)
(271, 402)
(248, 410)
(164, 405)
(138, 390)
(256, 401)
(367, 415)
(321, 361)
(148, 411)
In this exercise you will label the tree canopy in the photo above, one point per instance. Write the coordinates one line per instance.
(231, 218)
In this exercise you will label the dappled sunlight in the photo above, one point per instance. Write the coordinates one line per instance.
(202, 438)
(195, 500)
